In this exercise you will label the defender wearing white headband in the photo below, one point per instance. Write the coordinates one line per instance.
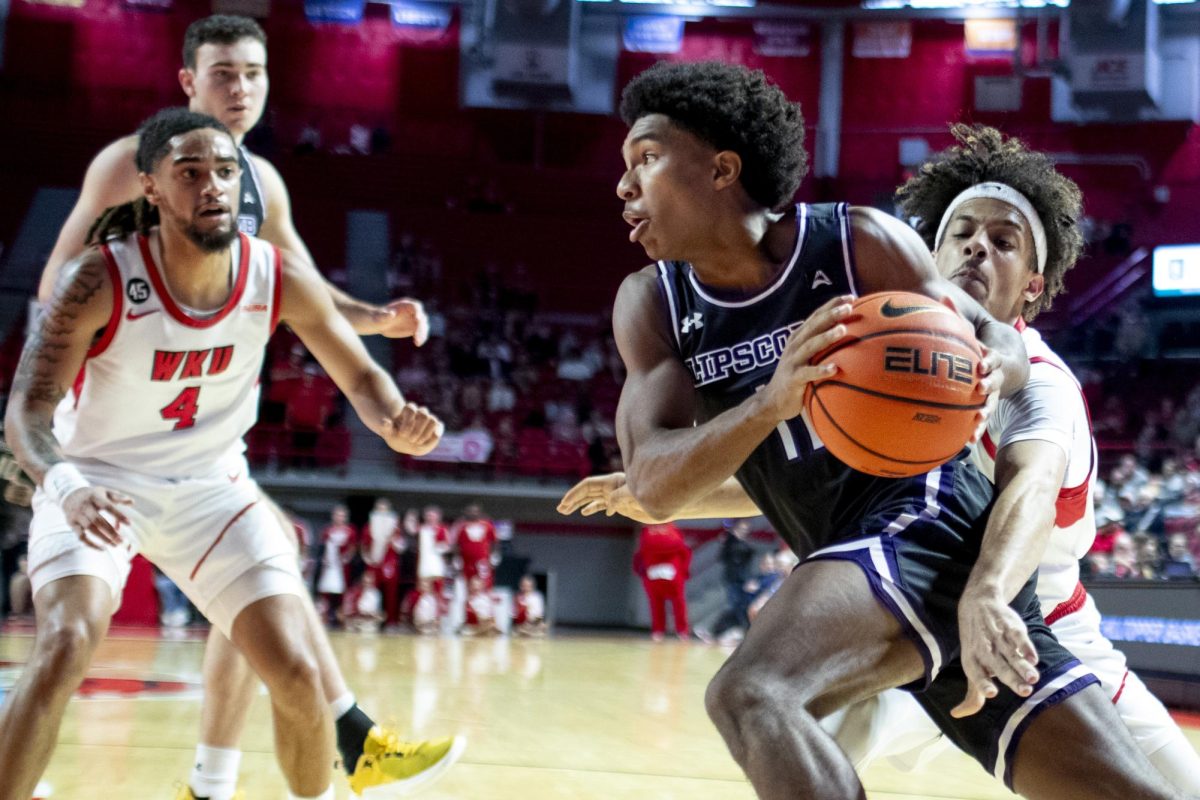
(1038, 449)
(995, 245)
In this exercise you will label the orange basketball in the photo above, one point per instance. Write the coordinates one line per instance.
(905, 396)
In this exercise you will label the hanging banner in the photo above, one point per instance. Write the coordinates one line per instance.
(990, 38)
(334, 10)
(652, 34)
(776, 38)
(882, 39)
(422, 15)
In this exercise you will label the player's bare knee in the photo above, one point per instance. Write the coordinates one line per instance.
(64, 649)
(295, 678)
(739, 694)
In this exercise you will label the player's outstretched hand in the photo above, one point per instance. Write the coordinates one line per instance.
(400, 319)
(414, 431)
(785, 393)
(995, 646)
(608, 493)
(91, 512)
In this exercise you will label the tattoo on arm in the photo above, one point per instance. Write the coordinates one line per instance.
(38, 384)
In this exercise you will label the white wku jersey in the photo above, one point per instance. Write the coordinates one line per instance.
(165, 391)
(1051, 407)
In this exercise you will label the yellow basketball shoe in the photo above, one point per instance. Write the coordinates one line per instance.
(184, 792)
(390, 767)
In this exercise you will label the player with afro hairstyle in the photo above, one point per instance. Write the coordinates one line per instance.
(731, 110)
(985, 155)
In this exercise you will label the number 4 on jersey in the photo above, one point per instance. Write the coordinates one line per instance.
(183, 408)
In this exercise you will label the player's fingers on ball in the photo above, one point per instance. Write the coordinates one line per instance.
(827, 316)
(989, 361)
(817, 373)
(837, 306)
(981, 420)
(817, 344)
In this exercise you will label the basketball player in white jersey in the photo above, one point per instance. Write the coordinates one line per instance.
(1003, 224)
(224, 75)
(132, 424)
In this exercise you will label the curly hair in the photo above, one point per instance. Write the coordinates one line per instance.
(984, 154)
(219, 29)
(154, 142)
(731, 108)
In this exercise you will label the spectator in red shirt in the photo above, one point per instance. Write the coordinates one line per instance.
(1106, 534)
(311, 401)
(664, 562)
(474, 537)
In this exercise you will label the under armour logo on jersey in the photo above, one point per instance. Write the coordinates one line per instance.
(821, 279)
(694, 321)
(248, 198)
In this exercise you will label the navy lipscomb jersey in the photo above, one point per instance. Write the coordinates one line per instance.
(252, 208)
(732, 344)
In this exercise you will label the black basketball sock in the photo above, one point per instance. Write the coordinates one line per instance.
(352, 729)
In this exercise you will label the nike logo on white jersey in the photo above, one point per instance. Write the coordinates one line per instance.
(821, 279)
(694, 321)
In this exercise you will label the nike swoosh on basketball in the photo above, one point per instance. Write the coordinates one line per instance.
(129, 315)
(889, 310)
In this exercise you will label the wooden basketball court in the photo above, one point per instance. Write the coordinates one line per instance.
(575, 717)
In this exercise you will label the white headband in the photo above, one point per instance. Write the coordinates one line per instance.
(1007, 194)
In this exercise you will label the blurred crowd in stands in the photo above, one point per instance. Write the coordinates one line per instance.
(539, 389)
(1148, 523)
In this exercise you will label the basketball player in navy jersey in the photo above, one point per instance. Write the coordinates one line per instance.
(1003, 224)
(224, 74)
(716, 338)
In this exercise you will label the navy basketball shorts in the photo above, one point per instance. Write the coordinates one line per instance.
(917, 547)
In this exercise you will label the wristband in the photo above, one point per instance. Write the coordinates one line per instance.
(61, 480)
